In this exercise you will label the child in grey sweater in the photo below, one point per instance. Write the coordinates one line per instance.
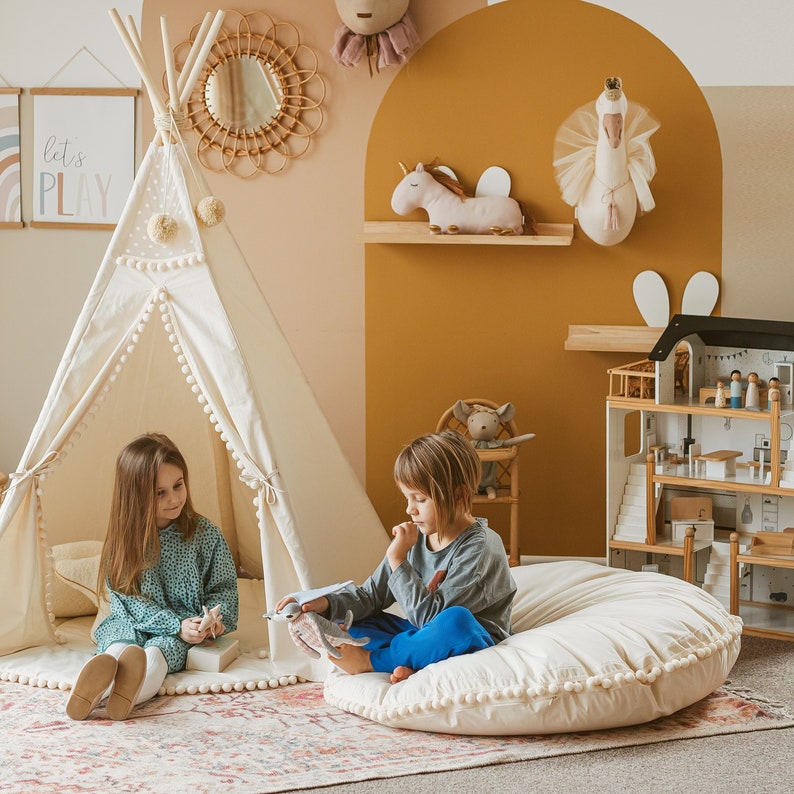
(446, 570)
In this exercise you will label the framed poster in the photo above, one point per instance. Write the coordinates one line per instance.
(10, 184)
(83, 155)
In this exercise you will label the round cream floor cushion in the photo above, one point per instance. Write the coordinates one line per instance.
(594, 648)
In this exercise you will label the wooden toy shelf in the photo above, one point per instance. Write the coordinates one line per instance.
(416, 232)
(612, 338)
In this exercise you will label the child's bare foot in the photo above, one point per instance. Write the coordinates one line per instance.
(400, 673)
(354, 659)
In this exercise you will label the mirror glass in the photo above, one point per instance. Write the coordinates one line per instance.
(243, 94)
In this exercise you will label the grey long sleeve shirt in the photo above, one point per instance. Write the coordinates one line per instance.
(471, 572)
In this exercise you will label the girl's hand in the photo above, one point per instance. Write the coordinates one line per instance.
(405, 536)
(219, 629)
(190, 631)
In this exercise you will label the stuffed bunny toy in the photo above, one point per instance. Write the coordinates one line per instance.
(313, 633)
(211, 619)
(483, 424)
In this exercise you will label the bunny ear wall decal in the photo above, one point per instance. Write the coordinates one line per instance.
(653, 301)
(700, 295)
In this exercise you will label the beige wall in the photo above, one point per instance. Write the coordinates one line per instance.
(755, 124)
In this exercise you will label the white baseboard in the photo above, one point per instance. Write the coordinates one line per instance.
(530, 559)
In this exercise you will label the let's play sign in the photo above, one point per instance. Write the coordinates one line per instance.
(84, 155)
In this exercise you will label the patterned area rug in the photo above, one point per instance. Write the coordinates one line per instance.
(286, 739)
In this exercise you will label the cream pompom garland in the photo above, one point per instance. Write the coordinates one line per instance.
(210, 211)
(162, 228)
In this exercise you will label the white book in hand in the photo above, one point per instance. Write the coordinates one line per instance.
(213, 655)
(304, 596)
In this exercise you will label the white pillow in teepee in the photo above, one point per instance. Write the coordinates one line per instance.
(75, 582)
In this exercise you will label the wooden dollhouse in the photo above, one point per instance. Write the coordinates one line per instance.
(670, 448)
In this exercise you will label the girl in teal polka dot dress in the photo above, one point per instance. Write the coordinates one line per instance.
(161, 564)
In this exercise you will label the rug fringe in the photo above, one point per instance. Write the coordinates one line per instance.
(752, 696)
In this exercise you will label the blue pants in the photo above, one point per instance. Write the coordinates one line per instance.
(395, 641)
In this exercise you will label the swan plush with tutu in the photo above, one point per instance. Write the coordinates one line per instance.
(451, 210)
(603, 164)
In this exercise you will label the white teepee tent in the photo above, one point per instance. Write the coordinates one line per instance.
(176, 336)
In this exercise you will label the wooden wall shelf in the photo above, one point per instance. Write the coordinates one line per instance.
(613, 338)
(417, 232)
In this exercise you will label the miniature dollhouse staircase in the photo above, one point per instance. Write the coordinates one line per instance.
(717, 580)
(631, 523)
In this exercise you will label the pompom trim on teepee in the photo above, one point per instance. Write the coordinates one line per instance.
(141, 263)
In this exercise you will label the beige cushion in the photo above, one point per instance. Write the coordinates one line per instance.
(594, 648)
(75, 582)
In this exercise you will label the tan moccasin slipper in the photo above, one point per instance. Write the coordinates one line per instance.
(128, 682)
(92, 682)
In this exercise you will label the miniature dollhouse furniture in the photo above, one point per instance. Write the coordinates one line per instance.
(695, 512)
(721, 463)
(641, 479)
(593, 648)
(771, 549)
(506, 459)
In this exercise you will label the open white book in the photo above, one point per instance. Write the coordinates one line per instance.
(304, 596)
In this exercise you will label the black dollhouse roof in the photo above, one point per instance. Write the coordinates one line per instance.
(724, 332)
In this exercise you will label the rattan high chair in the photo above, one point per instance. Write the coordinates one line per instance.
(506, 459)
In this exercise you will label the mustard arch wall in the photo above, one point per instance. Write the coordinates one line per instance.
(452, 322)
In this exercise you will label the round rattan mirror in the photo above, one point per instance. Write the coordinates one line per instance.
(259, 99)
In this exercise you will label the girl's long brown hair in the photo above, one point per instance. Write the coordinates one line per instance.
(445, 467)
(132, 543)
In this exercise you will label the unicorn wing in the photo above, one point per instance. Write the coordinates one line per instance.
(495, 181)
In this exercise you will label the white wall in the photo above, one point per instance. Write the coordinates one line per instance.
(721, 42)
(728, 46)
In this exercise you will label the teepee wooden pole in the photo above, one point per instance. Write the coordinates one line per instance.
(170, 67)
(135, 37)
(193, 52)
(137, 59)
(206, 46)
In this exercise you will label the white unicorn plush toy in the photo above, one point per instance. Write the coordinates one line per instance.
(451, 210)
